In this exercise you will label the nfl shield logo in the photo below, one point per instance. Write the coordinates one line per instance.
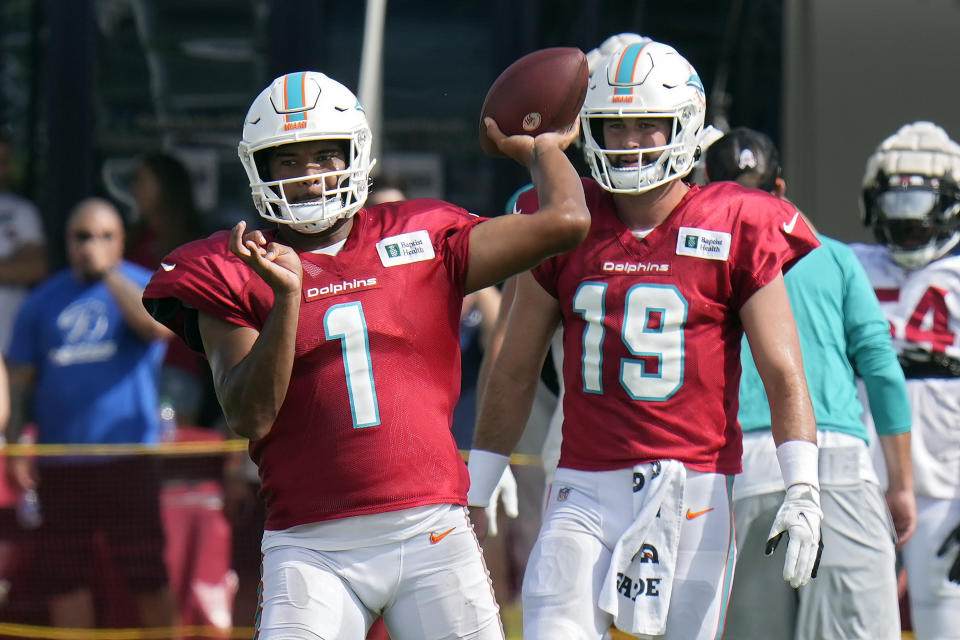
(563, 494)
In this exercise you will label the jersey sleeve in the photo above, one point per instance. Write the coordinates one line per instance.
(449, 227)
(870, 348)
(200, 276)
(771, 237)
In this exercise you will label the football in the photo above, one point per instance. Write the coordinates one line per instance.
(542, 91)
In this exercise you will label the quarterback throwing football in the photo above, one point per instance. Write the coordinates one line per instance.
(333, 342)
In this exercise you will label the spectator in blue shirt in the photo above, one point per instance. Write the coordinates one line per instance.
(84, 364)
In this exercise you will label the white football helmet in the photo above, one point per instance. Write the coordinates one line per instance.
(911, 194)
(644, 79)
(299, 107)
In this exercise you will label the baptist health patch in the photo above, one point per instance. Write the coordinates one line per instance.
(703, 243)
(405, 248)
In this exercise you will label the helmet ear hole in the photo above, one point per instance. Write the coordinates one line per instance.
(262, 160)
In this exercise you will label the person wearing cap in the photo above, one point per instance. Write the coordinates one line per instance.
(843, 334)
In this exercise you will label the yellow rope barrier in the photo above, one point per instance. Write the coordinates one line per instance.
(174, 449)
(153, 633)
(160, 448)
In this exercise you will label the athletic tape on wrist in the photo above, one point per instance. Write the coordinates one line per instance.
(799, 463)
(486, 468)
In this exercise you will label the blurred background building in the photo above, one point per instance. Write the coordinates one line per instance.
(86, 85)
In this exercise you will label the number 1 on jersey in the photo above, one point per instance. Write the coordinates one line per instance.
(345, 322)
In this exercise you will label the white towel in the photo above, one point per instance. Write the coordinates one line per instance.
(639, 582)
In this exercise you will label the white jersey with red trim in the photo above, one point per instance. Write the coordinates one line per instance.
(923, 309)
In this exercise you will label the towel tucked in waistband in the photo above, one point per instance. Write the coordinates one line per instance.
(639, 582)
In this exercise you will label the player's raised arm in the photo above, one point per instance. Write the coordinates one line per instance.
(251, 370)
(506, 245)
(530, 115)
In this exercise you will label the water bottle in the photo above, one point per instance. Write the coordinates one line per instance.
(28, 510)
(168, 421)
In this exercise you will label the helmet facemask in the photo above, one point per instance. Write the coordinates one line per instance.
(655, 165)
(917, 217)
(910, 197)
(274, 202)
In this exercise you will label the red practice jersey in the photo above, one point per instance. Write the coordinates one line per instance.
(651, 327)
(365, 425)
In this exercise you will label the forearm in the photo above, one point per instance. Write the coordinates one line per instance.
(896, 454)
(493, 342)
(21, 392)
(562, 203)
(128, 297)
(252, 389)
(500, 423)
(791, 413)
(506, 405)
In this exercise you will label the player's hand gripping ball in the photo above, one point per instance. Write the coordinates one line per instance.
(542, 91)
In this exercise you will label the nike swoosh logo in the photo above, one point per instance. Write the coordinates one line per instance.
(168, 267)
(695, 514)
(789, 227)
(437, 537)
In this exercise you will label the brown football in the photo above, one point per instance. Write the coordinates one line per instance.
(542, 91)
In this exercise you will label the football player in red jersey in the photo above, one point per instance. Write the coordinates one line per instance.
(638, 529)
(334, 345)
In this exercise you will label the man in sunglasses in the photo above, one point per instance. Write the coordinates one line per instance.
(84, 364)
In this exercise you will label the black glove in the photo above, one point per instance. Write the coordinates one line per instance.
(953, 574)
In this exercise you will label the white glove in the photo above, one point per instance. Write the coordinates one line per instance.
(799, 517)
(507, 491)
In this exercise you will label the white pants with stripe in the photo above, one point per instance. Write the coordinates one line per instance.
(586, 514)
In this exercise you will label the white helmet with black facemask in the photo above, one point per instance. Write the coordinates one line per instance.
(911, 194)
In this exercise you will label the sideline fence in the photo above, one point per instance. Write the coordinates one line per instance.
(212, 560)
